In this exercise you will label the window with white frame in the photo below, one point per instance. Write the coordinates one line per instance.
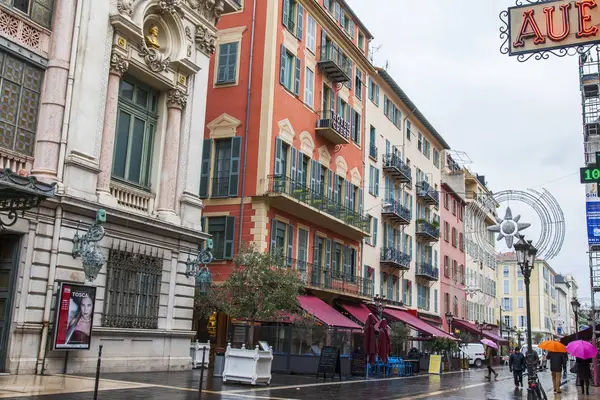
(289, 74)
(227, 63)
(520, 302)
(311, 34)
(309, 85)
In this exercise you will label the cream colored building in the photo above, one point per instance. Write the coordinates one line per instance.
(511, 293)
(481, 282)
(98, 97)
(402, 196)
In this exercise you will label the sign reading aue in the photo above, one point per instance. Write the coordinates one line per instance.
(552, 25)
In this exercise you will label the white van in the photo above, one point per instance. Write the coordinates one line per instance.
(475, 352)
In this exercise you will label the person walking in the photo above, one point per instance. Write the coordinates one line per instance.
(584, 374)
(490, 353)
(517, 364)
(558, 361)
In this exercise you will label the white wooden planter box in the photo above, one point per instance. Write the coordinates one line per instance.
(248, 366)
(196, 354)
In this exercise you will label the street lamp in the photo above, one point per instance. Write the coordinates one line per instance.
(575, 305)
(449, 320)
(379, 306)
(481, 326)
(526, 253)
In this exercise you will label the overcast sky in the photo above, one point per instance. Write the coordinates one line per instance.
(520, 123)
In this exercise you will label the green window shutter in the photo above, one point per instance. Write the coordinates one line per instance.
(282, 65)
(290, 249)
(358, 127)
(385, 105)
(293, 167)
(316, 260)
(274, 223)
(381, 283)
(360, 201)
(205, 173)
(286, 13)
(203, 224)
(376, 182)
(234, 166)
(328, 254)
(297, 77)
(229, 233)
(375, 229)
(350, 74)
(377, 95)
(278, 170)
(300, 22)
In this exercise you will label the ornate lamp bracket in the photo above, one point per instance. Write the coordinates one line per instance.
(87, 248)
(196, 266)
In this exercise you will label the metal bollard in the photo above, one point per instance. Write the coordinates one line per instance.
(98, 373)
(202, 372)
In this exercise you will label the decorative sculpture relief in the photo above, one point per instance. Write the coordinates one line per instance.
(205, 40)
(152, 37)
(153, 58)
(171, 6)
(118, 64)
(176, 98)
(209, 9)
(188, 34)
(125, 7)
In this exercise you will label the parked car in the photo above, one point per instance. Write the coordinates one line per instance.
(475, 352)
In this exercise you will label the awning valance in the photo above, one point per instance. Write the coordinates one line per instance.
(358, 311)
(325, 313)
(416, 323)
(473, 328)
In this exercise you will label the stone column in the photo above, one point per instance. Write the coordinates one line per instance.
(118, 66)
(54, 92)
(176, 101)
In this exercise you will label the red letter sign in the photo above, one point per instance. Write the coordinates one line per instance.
(529, 21)
(566, 29)
(584, 6)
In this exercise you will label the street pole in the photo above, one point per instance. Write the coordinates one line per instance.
(530, 365)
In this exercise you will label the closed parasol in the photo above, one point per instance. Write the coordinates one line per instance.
(384, 341)
(370, 344)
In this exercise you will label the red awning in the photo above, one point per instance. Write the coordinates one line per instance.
(416, 323)
(473, 328)
(358, 311)
(325, 313)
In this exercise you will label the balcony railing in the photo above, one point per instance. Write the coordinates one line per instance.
(320, 202)
(394, 212)
(427, 232)
(394, 258)
(220, 187)
(373, 151)
(427, 271)
(429, 195)
(329, 279)
(333, 63)
(396, 168)
(333, 127)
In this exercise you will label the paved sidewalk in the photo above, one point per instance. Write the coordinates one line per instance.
(468, 385)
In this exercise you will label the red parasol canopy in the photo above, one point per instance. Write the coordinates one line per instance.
(369, 343)
(384, 341)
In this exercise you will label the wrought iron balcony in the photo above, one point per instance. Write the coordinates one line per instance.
(220, 187)
(333, 64)
(333, 127)
(394, 258)
(427, 232)
(332, 280)
(373, 151)
(429, 195)
(396, 168)
(396, 213)
(427, 271)
(317, 207)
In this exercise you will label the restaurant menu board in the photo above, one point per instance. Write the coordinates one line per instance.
(359, 364)
(329, 362)
(435, 365)
(74, 317)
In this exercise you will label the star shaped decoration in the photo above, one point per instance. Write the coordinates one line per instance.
(509, 227)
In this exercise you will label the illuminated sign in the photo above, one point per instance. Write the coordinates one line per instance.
(591, 173)
(74, 317)
(551, 25)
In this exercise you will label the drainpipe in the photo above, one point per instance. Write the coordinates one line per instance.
(365, 155)
(39, 366)
(246, 127)
(69, 95)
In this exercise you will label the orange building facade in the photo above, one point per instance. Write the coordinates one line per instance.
(283, 159)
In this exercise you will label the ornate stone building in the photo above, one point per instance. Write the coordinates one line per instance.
(107, 100)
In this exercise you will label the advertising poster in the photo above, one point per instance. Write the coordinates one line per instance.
(592, 213)
(74, 317)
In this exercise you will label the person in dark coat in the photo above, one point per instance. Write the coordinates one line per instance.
(517, 364)
(584, 374)
(558, 361)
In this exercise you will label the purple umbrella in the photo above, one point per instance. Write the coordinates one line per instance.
(488, 342)
(582, 349)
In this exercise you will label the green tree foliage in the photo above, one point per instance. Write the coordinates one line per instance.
(398, 337)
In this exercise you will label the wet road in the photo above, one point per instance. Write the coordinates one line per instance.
(184, 385)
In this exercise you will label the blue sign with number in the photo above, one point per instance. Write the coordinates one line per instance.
(592, 214)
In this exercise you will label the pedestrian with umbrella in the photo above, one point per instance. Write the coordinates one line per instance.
(490, 353)
(557, 354)
(583, 352)
(369, 342)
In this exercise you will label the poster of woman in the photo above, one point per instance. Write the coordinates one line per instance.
(74, 317)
